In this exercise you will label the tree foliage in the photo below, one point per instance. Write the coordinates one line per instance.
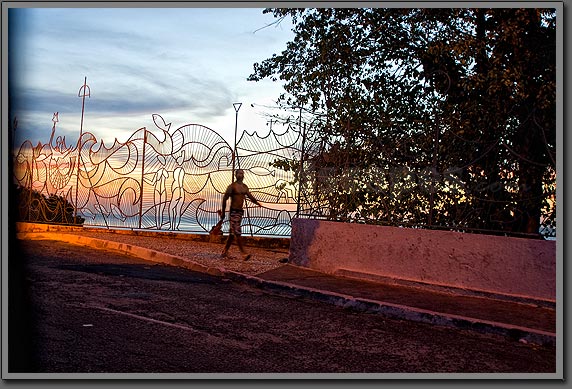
(435, 116)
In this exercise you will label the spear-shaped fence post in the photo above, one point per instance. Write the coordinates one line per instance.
(83, 92)
(54, 120)
(234, 155)
(142, 177)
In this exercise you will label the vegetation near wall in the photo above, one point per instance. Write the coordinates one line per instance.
(34, 206)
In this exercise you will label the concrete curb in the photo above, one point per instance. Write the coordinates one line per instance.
(402, 312)
(254, 241)
(137, 251)
(395, 311)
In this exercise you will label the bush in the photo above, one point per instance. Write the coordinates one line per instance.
(34, 206)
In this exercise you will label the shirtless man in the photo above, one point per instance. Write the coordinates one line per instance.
(237, 191)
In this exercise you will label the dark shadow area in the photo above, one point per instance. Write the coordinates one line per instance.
(21, 320)
(148, 272)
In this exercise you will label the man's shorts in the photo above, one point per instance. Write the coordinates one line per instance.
(235, 221)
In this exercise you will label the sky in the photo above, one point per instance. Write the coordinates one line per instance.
(188, 65)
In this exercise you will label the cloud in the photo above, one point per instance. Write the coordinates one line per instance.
(186, 64)
(130, 94)
(42, 100)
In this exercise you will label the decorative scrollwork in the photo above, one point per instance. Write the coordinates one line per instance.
(165, 179)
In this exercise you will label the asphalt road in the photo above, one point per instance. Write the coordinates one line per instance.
(79, 310)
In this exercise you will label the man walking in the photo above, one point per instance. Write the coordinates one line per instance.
(237, 192)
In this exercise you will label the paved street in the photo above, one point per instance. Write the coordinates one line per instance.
(98, 311)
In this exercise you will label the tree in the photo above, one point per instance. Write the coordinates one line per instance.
(438, 116)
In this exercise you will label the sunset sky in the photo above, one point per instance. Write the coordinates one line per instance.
(187, 64)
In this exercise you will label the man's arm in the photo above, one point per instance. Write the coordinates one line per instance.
(251, 197)
(224, 200)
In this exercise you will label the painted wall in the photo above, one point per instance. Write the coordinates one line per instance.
(491, 264)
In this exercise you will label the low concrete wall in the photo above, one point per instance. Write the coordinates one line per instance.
(255, 241)
(517, 267)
